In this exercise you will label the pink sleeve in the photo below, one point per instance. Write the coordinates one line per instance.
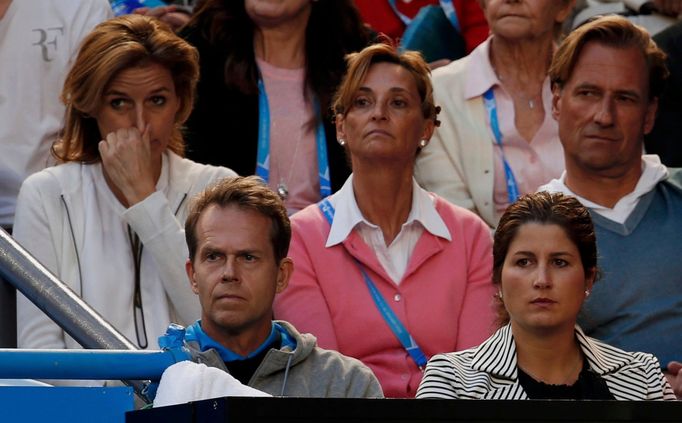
(303, 303)
(477, 307)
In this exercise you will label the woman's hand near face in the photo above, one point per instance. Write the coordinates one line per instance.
(127, 161)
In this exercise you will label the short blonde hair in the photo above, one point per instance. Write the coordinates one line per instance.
(114, 45)
(358, 65)
(612, 31)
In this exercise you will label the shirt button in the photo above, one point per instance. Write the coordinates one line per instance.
(404, 376)
(397, 297)
(486, 171)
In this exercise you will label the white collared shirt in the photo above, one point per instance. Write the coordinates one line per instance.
(395, 257)
(653, 171)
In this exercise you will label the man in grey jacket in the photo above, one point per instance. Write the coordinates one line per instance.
(238, 236)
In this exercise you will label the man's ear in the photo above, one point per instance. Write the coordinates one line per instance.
(286, 268)
(650, 117)
(556, 101)
(189, 268)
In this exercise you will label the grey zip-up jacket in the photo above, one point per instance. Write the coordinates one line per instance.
(307, 371)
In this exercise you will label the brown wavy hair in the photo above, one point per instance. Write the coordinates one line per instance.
(359, 64)
(114, 45)
(612, 31)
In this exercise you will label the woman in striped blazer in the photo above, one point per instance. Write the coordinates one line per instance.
(544, 265)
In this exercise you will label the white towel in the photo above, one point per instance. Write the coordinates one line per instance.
(187, 381)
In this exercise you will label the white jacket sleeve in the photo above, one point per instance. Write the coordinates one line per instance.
(32, 231)
(163, 237)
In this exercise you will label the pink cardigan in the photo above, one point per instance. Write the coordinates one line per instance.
(444, 299)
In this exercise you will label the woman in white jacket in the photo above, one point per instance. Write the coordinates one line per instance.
(108, 220)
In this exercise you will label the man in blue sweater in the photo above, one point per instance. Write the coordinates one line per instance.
(606, 77)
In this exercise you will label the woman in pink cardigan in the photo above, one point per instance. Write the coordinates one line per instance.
(385, 271)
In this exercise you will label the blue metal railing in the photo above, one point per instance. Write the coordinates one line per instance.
(83, 324)
(86, 364)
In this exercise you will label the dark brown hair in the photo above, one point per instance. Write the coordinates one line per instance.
(334, 29)
(612, 31)
(547, 209)
(112, 46)
(249, 193)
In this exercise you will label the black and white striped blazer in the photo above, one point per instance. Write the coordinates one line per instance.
(489, 371)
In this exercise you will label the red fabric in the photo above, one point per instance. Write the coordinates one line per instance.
(379, 15)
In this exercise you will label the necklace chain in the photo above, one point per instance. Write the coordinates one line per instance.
(282, 185)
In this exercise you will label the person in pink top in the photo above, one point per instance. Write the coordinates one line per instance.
(382, 249)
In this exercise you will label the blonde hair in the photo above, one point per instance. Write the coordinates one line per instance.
(358, 65)
(114, 45)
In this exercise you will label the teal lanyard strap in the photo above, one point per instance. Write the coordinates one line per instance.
(263, 155)
(491, 107)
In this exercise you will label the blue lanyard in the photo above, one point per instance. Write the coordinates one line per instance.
(263, 156)
(491, 107)
(447, 6)
(387, 313)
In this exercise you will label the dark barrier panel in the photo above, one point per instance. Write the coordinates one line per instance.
(8, 315)
(284, 410)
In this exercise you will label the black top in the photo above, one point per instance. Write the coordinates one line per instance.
(223, 127)
(589, 386)
(243, 370)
